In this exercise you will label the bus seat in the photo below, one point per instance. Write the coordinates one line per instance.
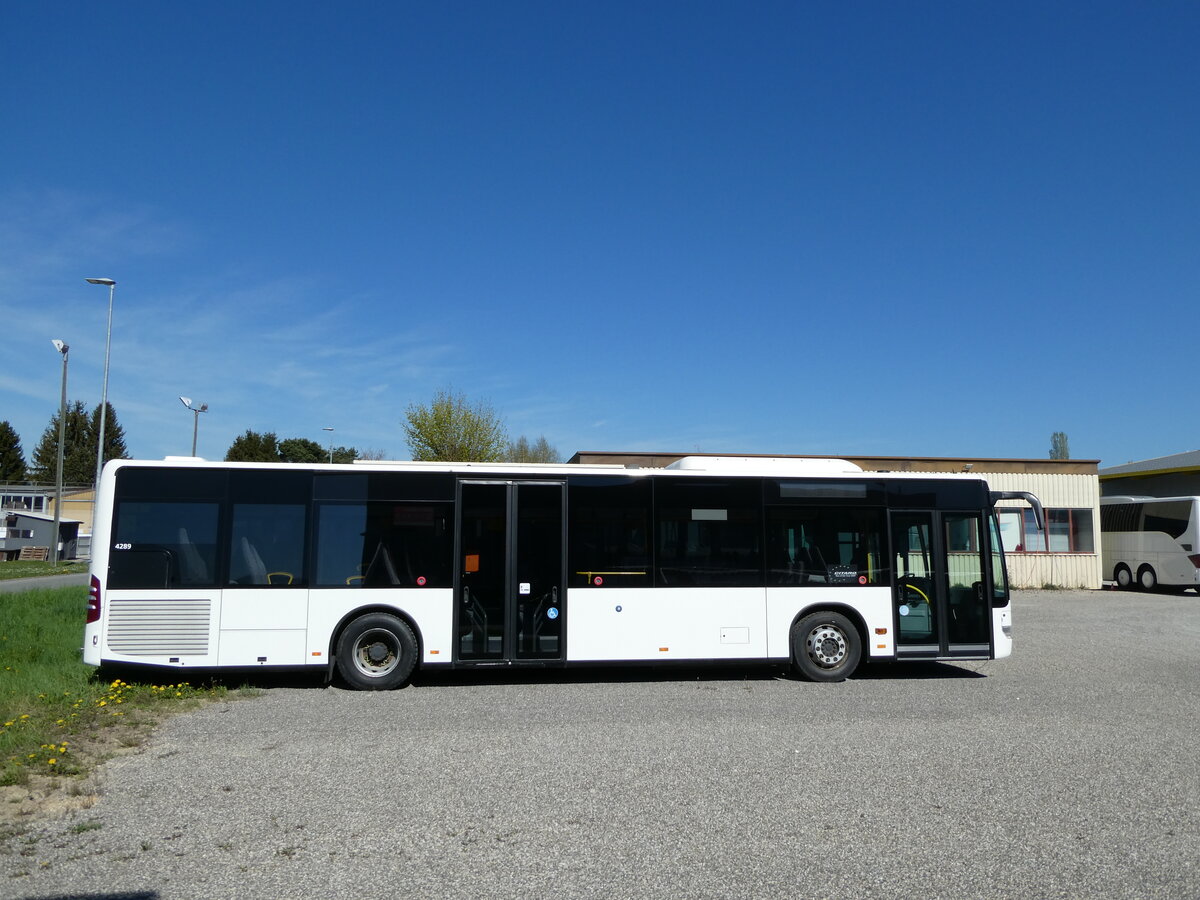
(381, 569)
(192, 569)
(254, 564)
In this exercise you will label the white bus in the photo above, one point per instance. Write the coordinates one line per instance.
(1151, 541)
(370, 570)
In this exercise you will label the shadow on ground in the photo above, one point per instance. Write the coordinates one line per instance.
(309, 679)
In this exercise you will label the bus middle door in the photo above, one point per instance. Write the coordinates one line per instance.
(510, 576)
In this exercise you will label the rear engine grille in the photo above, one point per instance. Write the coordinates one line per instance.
(159, 627)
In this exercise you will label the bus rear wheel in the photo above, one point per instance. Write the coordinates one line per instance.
(825, 647)
(1123, 577)
(1147, 579)
(376, 652)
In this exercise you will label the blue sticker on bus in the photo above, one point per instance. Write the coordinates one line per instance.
(552, 612)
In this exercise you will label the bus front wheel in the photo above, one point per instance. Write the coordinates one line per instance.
(376, 652)
(825, 647)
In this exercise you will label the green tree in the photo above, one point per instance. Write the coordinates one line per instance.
(254, 447)
(12, 458)
(451, 430)
(521, 451)
(114, 435)
(343, 455)
(1059, 449)
(79, 449)
(302, 450)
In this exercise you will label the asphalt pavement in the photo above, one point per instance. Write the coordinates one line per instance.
(1068, 770)
(13, 585)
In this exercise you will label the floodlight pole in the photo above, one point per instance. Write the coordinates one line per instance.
(62, 432)
(196, 410)
(330, 430)
(112, 286)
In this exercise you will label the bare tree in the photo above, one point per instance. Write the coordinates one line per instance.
(521, 451)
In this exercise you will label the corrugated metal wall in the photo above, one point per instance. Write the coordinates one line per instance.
(1070, 570)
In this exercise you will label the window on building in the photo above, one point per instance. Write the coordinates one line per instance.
(1012, 529)
(1070, 530)
(1067, 531)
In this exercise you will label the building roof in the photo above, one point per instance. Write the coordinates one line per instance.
(40, 516)
(1159, 465)
(867, 463)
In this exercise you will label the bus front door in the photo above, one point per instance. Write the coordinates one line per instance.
(511, 571)
(941, 601)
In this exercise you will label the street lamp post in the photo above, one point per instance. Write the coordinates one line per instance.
(112, 285)
(62, 434)
(330, 430)
(196, 410)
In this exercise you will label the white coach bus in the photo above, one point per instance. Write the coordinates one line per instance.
(1151, 541)
(370, 570)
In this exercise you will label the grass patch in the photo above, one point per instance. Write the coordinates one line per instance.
(35, 569)
(57, 717)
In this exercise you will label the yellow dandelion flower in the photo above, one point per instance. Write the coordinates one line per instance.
(52, 762)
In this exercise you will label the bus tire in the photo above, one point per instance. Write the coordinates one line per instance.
(1147, 579)
(376, 652)
(1123, 577)
(825, 647)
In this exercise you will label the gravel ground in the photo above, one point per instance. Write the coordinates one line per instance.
(1068, 770)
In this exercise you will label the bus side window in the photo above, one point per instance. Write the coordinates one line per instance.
(164, 543)
(610, 532)
(819, 546)
(268, 527)
(384, 544)
(267, 546)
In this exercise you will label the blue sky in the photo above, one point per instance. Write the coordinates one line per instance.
(928, 229)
